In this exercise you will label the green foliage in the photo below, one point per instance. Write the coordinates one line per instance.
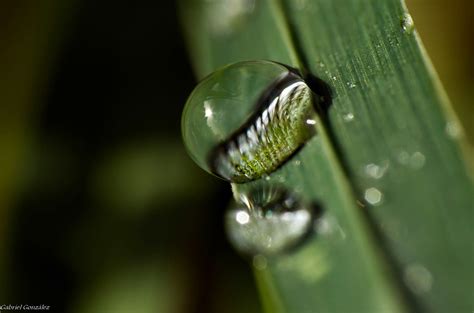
(389, 142)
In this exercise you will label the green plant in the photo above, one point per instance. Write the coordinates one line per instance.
(389, 164)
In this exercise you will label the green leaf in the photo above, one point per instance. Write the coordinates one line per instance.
(389, 139)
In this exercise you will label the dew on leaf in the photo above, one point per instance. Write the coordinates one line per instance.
(244, 120)
(268, 221)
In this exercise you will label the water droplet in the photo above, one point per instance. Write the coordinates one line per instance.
(407, 23)
(453, 129)
(373, 196)
(376, 171)
(348, 117)
(297, 162)
(246, 119)
(351, 85)
(418, 278)
(328, 226)
(417, 160)
(270, 222)
(403, 157)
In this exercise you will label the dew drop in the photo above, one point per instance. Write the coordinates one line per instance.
(373, 196)
(417, 160)
(453, 130)
(351, 85)
(348, 117)
(271, 222)
(418, 278)
(376, 171)
(403, 157)
(407, 23)
(244, 120)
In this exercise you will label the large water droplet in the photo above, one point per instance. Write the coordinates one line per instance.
(244, 120)
(267, 221)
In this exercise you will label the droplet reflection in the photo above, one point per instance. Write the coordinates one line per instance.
(244, 120)
(267, 221)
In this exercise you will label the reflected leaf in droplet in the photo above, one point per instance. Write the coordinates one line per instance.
(268, 221)
(245, 119)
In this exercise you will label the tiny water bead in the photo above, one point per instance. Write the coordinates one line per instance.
(407, 23)
(245, 119)
(373, 196)
(267, 221)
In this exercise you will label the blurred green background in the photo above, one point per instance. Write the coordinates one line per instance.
(101, 209)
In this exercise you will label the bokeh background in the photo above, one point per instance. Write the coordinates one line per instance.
(101, 210)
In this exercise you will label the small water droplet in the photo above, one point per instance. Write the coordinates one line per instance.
(417, 160)
(453, 129)
(244, 120)
(407, 23)
(351, 85)
(297, 162)
(348, 117)
(270, 222)
(418, 278)
(376, 171)
(327, 226)
(373, 196)
(403, 157)
(334, 78)
(321, 64)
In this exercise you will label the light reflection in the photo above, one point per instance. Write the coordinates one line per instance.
(242, 217)
(207, 110)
